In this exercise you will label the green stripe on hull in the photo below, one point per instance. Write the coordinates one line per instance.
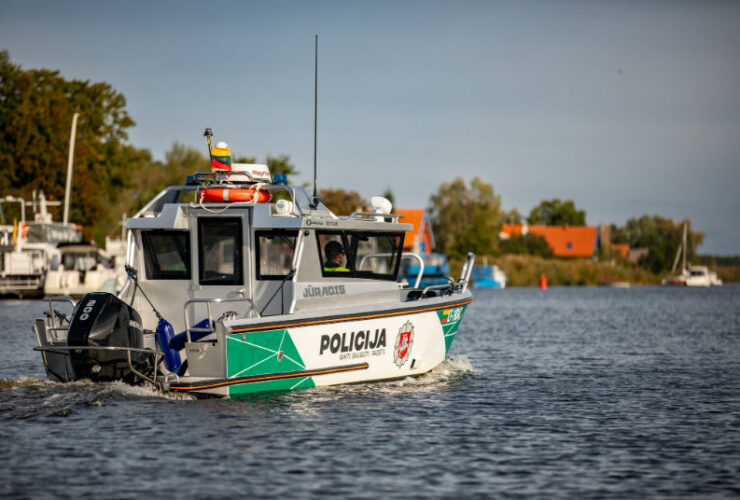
(450, 320)
(259, 353)
(262, 353)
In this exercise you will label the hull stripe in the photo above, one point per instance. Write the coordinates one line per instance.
(339, 319)
(262, 378)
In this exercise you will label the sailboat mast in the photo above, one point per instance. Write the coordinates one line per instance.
(70, 161)
(684, 245)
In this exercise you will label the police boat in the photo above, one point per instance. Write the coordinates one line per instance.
(239, 283)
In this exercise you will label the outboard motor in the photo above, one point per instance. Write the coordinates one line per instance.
(102, 319)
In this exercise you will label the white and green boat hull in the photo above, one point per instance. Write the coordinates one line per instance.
(290, 352)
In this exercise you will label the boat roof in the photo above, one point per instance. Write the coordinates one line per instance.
(168, 211)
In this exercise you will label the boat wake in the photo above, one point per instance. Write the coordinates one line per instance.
(29, 397)
(449, 373)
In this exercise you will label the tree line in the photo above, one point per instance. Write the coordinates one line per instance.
(112, 177)
(469, 218)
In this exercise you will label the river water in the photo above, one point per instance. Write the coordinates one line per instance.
(566, 393)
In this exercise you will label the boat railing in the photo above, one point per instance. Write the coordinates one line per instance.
(373, 216)
(54, 317)
(462, 284)
(447, 286)
(173, 194)
(66, 349)
(466, 271)
(253, 311)
(405, 255)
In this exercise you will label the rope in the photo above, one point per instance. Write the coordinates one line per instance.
(287, 277)
(132, 274)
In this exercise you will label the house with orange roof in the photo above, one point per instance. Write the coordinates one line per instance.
(621, 249)
(565, 241)
(420, 239)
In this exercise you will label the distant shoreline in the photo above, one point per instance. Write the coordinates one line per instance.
(525, 270)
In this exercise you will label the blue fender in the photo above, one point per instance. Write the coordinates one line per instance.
(165, 334)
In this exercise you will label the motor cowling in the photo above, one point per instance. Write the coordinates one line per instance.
(103, 320)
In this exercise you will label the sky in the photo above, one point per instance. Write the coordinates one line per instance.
(627, 108)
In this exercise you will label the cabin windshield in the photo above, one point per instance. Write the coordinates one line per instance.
(166, 255)
(356, 254)
(220, 251)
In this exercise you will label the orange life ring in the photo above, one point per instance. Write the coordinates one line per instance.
(218, 194)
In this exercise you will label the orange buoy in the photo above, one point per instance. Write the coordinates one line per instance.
(234, 194)
(543, 282)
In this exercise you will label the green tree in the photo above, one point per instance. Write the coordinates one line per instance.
(36, 109)
(388, 195)
(661, 236)
(513, 217)
(557, 213)
(280, 164)
(180, 161)
(244, 159)
(466, 219)
(343, 202)
(528, 244)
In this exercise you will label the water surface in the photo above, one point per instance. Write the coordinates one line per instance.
(567, 393)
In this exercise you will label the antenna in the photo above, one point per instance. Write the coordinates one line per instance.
(208, 134)
(315, 201)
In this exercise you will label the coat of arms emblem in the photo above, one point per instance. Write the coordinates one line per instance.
(404, 341)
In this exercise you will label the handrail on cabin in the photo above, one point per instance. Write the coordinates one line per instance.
(208, 302)
(407, 255)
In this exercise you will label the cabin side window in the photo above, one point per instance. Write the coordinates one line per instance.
(376, 255)
(356, 254)
(220, 251)
(335, 260)
(166, 255)
(275, 253)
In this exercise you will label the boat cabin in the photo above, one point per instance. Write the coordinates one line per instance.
(276, 254)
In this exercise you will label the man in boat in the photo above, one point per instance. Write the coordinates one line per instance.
(334, 254)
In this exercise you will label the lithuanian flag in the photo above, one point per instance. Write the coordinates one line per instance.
(445, 315)
(220, 160)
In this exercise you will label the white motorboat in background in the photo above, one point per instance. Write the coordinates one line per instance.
(714, 279)
(28, 249)
(697, 276)
(83, 268)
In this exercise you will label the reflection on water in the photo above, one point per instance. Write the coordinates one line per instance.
(569, 393)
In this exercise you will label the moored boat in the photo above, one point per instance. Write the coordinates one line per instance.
(83, 268)
(273, 292)
(696, 276)
(29, 248)
(485, 276)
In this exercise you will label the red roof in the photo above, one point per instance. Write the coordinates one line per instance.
(420, 238)
(565, 241)
(621, 249)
